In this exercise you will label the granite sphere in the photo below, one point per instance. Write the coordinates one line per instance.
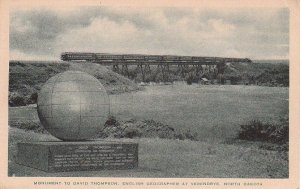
(73, 106)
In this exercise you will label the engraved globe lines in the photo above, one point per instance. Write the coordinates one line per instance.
(73, 106)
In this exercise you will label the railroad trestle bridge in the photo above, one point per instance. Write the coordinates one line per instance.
(163, 63)
(163, 67)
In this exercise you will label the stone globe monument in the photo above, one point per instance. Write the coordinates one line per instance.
(73, 106)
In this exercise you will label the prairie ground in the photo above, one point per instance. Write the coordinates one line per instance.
(171, 158)
(214, 112)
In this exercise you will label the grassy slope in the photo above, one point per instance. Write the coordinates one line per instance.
(173, 158)
(27, 78)
(268, 74)
(258, 68)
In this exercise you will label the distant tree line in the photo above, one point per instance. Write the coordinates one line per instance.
(235, 73)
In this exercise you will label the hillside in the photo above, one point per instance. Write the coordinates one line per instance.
(26, 79)
(266, 74)
(270, 61)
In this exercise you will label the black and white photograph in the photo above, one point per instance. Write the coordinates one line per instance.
(149, 92)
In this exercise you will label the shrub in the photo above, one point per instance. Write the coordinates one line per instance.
(189, 80)
(180, 136)
(111, 121)
(281, 132)
(32, 99)
(132, 132)
(191, 136)
(166, 134)
(28, 125)
(255, 130)
(147, 128)
(20, 64)
(15, 99)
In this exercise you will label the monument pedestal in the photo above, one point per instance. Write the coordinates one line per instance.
(78, 156)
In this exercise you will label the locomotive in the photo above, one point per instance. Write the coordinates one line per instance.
(106, 57)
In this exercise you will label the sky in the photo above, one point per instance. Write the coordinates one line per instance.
(43, 34)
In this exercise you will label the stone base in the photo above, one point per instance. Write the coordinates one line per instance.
(78, 156)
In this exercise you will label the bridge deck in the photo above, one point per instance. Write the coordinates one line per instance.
(194, 63)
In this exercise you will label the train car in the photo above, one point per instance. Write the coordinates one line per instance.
(212, 60)
(185, 58)
(219, 59)
(198, 58)
(108, 57)
(133, 57)
(152, 58)
(170, 58)
(237, 60)
(240, 60)
(69, 56)
(232, 60)
(103, 57)
(228, 60)
(208, 60)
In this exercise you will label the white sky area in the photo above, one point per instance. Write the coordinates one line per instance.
(43, 34)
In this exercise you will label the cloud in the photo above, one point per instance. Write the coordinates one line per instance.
(18, 55)
(254, 33)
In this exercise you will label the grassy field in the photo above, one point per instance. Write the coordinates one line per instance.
(172, 158)
(214, 112)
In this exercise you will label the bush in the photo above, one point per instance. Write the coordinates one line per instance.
(15, 99)
(28, 125)
(166, 134)
(255, 130)
(180, 136)
(147, 128)
(189, 81)
(191, 136)
(132, 132)
(111, 121)
(281, 133)
(32, 99)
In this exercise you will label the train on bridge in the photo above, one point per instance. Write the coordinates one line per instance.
(132, 58)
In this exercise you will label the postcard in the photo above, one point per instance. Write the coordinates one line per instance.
(154, 94)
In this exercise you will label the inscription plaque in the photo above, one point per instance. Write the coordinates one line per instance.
(78, 156)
